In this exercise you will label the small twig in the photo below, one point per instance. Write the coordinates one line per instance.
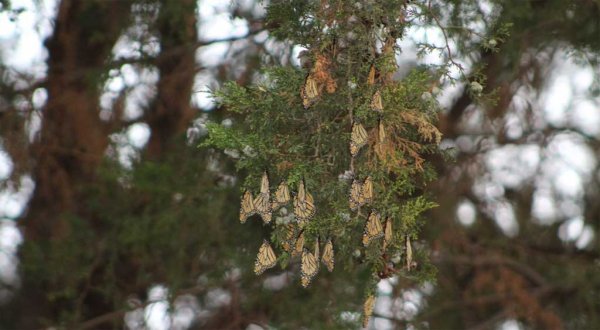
(446, 40)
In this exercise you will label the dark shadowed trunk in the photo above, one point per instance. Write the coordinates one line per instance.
(171, 110)
(72, 140)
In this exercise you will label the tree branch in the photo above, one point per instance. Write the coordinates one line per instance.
(102, 319)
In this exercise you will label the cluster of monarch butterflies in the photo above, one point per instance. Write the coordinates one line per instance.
(361, 193)
(304, 210)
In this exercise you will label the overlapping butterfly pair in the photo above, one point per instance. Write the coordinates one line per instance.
(294, 244)
(304, 206)
(260, 205)
(359, 136)
(374, 230)
(360, 193)
(309, 266)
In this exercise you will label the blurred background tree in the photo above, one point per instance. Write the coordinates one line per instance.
(124, 221)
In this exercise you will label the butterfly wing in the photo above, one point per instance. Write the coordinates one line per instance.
(355, 192)
(298, 245)
(409, 254)
(376, 102)
(366, 193)
(262, 204)
(358, 138)
(368, 310)
(373, 229)
(309, 91)
(371, 77)
(289, 234)
(247, 206)
(265, 259)
(381, 132)
(308, 268)
(304, 207)
(264, 183)
(388, 233)
(327, 258)
(282, 195)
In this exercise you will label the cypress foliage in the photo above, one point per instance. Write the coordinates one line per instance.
(343, 132)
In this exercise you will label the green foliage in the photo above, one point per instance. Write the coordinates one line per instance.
(278, 135)
(157, 228)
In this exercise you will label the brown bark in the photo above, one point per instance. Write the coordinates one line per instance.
(72, 140)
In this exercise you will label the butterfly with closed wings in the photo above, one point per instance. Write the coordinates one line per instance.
(309, 266)
(265, 259)
(304, 205)
(373, 229)
(262, 202)
(358, 138)
(247, 208)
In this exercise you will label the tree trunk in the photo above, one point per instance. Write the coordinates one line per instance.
(73, 139)
(171, 110)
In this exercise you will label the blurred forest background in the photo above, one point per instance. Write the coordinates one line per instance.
(112, 217)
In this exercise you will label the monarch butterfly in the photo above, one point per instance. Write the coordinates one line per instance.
(371, 77)
(355, 191)
(388, 233)
(309, 92)
(381, 132)
(373, 228)
(327, 257)
(265, 259)
(376, 102)
(358, 138)
(304, 207)
(262, 202)
(282, 195)
(409, 254)
(289, 234)
(309, 266)
(366, 193)
(368, 310)
(298, 245)
(247, 207)
(361, 193)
